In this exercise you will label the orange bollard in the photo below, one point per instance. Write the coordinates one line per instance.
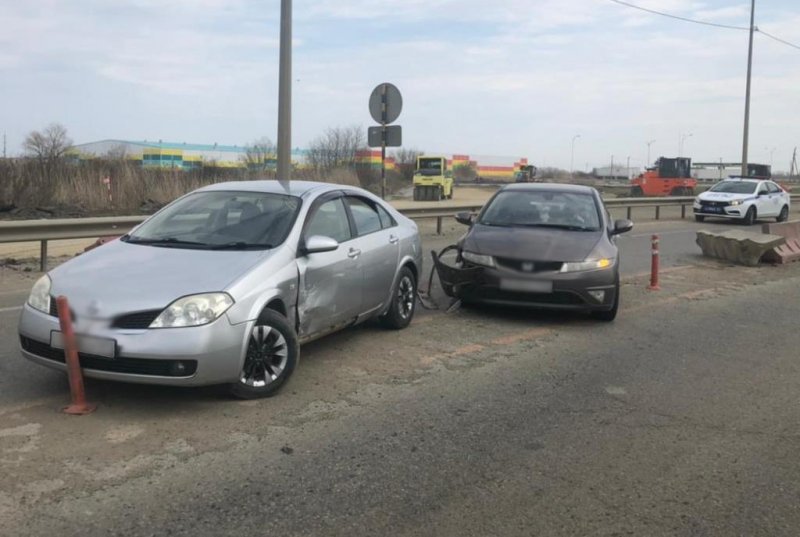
(79, 405)
(654, 265)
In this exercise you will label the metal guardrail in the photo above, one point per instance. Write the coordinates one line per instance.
(43, 231)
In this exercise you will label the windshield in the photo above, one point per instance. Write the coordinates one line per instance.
(567, 210)
(430, 165)
(216, 220)
(735, 187)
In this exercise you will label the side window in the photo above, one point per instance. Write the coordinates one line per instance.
(365, 216)
(330, 220)
(762, 189)
(773, 188)
(386, 219)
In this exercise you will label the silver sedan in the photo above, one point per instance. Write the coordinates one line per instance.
(225, 283)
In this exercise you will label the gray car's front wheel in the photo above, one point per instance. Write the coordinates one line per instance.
(270, 358)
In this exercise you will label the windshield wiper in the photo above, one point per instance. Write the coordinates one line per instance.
(240, 245)
(560, 226)
(163, 241)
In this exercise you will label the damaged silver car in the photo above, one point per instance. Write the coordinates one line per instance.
(540, 245)
(223, 284)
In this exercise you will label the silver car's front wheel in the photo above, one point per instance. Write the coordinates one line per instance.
(270, 357)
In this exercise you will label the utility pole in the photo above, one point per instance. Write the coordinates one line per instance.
(747, 91)
(683, 138)
(628, 169)
(612, 167)
(285, 95)
(4, 146)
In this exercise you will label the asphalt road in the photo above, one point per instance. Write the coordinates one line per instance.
(682, 421)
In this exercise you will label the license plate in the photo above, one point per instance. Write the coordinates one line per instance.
(528, 286)
(97, 346)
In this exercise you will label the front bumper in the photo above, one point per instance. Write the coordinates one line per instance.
(570, 290)
(210, 354)
(720, 211)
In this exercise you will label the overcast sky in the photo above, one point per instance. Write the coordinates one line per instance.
(501, 77)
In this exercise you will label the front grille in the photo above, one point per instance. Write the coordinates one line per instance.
(138, 320)
(560, 298)
(54, 309)
(136, 366)
(529, 266)
(704, 203)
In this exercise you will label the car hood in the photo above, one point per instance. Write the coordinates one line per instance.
(120, 277)
(724, 196)
(536, 244)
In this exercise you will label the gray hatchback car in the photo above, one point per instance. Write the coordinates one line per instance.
(223, 284)
(541, 245)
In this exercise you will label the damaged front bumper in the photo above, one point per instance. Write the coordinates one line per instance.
(588, 291)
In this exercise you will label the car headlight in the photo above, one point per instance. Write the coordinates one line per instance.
(39, 298)
(194, 310)
(589, 264)
(735, 203)
(478, 259)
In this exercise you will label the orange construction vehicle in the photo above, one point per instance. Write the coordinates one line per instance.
(669, 177)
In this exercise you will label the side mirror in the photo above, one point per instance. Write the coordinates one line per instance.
(622, 226)
(318, 243)
(464, 218)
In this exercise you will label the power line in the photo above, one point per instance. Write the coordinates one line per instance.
(705, 23)
(685, 19)
(778, 39)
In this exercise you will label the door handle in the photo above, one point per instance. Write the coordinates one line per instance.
(393, 239)
(353, 253)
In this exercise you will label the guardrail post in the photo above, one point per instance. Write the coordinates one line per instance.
(683, 211)
(629, 211)
(438, 225)
(658, 211)
(43, 256)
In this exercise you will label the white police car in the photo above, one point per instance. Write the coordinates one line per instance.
(743, 199)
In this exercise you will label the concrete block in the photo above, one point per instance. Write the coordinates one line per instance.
(786, 253)
(742, 247)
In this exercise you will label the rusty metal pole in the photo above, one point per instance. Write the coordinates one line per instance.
(654, 265)
(79, 406)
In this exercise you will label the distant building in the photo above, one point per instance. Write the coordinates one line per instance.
(172, 155)
(616, 172)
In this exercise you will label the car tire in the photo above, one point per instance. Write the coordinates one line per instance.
(270, 358)
(699, 218)
(404, 301)
(609, 315)
(784, 214)
(750, 217)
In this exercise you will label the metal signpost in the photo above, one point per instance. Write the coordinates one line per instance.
(385, 105)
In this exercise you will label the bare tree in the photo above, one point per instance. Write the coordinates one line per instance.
(49, 145)
(259, 155)
(406, 161)
(336, 148)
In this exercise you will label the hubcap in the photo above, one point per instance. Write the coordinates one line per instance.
(267, 354)
(405, 297)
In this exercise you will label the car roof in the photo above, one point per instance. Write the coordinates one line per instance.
(549, 187)
(736, 178)
(292, 188)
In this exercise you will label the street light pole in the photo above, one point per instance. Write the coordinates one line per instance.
(572, 157)
(651, 142)
(285, 94)
(680, 144)
(747, 91)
